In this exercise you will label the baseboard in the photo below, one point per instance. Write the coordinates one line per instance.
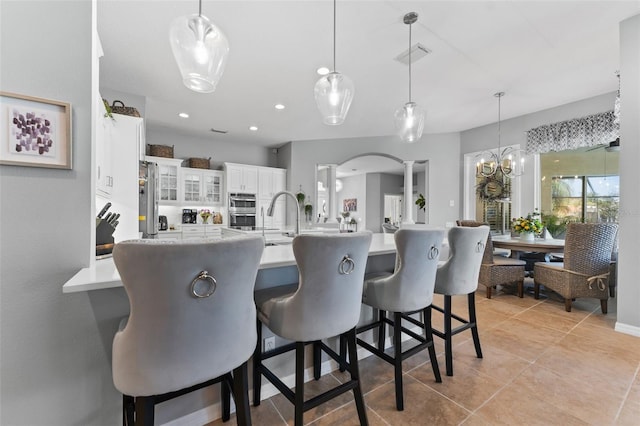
(627, 329)
(212, 412)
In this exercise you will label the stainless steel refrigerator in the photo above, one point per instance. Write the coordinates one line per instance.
(149, 196)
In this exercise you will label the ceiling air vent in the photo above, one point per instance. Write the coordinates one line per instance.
(418, 52)
(219, 131)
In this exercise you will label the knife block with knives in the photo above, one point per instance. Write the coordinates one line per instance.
(105, 226)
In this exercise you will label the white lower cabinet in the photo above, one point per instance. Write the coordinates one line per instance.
(170, 235)
(200, 232)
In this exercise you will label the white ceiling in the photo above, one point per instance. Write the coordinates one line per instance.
(541, 53)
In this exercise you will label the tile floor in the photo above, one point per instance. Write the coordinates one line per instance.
(541, 366)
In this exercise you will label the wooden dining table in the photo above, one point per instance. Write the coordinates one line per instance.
(519, 246)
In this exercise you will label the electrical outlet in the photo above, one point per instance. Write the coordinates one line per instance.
(269, 343)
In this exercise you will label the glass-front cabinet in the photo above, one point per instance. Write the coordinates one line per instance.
(191, 186)
(202, 186)
(213, 187)
(168, 178)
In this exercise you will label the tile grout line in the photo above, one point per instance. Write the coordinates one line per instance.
(278, 411)
(626, 395)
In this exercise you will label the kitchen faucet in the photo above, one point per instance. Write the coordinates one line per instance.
(295, 200)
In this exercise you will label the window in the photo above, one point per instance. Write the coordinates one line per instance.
(586, 198)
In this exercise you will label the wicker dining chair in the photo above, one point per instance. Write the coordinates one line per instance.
(497, 270)
(586, 266)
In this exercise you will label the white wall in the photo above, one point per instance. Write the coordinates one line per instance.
(188, 146)
(55, 367)
(442, 151)
(629, 268)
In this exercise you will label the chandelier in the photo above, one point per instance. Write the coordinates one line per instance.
(508, 162)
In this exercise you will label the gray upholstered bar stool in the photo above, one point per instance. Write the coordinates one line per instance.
(326, 303)
(459, 276)
(192, 322)
(408, 290)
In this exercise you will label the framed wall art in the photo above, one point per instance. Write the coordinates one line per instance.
(35, 132)
(350, 204)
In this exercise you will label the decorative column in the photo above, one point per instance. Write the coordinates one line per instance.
(331, 183)
(407, 216)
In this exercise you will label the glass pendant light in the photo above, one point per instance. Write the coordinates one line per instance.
(334, 91)
(410, 118)
(200, 50)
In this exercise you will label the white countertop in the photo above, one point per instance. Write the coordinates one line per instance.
(105, 275)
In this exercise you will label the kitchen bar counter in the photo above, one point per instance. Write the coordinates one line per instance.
(104, 274)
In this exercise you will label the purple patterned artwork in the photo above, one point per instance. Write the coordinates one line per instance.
(31, 132)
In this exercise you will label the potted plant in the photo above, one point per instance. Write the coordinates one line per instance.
(421, 203)
(528, 227)
(300, 196)
(308, 212)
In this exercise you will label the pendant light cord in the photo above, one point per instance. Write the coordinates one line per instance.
(410, 62)
(200, 8)
(334, 35)
(499, 128)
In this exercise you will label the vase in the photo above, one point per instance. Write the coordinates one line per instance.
(527, 236)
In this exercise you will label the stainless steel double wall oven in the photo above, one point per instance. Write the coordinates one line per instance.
(242, 210)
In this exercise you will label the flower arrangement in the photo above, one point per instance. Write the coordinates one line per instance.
(205, 214)
(530, 224)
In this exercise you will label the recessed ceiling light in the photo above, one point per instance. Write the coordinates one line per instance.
(323, 71)
(279, 106)
(183, 115)
(253, 128)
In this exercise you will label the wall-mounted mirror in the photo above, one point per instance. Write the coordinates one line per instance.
(369, 192)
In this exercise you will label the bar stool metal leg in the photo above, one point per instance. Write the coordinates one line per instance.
(397, 347)
(355, 375)
(240, 386)
(428, 331)
(471, 300)
(317, 360)
(448, 338)
(299, 396)
(257, 365)
(144, 410)
(381, 329)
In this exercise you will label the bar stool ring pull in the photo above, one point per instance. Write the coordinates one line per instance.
(204, 276)
(434, 253)
(480, 247)
(347, 265)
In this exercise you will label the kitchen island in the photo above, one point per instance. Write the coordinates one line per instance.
(276, 260)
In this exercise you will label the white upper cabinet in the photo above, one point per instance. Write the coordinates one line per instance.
(241, 178)
(271, 181)
(168, 179)
(104, 146)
